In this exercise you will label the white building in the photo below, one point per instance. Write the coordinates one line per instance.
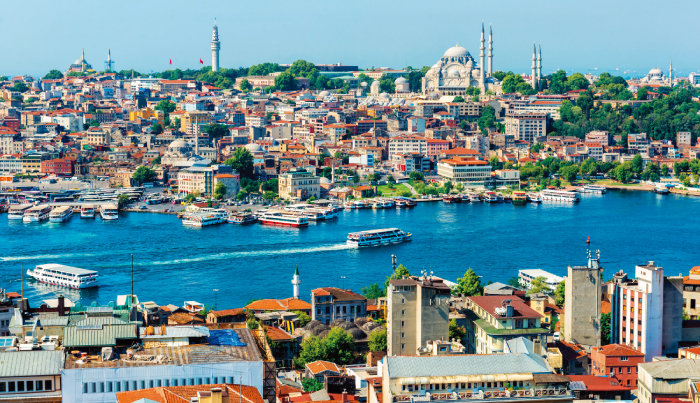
(526, 276)
(527, 126)
(470, 171)
(408, 144)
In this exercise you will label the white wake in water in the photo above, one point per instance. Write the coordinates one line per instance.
(50, 256)
(232, 255)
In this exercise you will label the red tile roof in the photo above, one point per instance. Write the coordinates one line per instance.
(228, 312)
(287, 304)
(338, 294)
(598, 383)
(619, 350)
(320, 366)
(184, 394)
(277, 334)
(489, 303)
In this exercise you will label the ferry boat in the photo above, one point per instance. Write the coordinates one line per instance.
(303, 211)
(16, 211)
(284, 219)
(109, 212)
(61, 214)
(64, 276)
(474, 198)
(355, 205)
(378, 237)
(491, 197)
(383, 203)
(87, 212)
(452, 199)
(242, 218)
(38, 213)
(205, 217)
(557, 195)
(595, 189)
(534, 198)
(661, 189)
(519, 198)
(404, 202)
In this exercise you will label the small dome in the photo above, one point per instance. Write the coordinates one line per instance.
(254, 148)
(655, 72)
(323, 94)
(400, 80)
(178, 144)
(453, 72)
(456, 51)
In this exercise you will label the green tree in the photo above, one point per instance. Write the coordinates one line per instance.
(122, 200)
(215, 130)
(245, 85)
(311, 384)
(219, 191)
(559, 294)
(156, 128)
(241, 161)
(469, 284)
(538, 285)
(53, 75)
(642, 94)
(377, 340)
(373, 291)
(400, 272)
(285, 82)
(416, 176)
(605, 329)
(664, 170)
(337, 346)
(386, 84)
(166, 106)
(271, 185)
(190, 197)
(144, 174)
(455, 331)
(303, 317)
(637, 164)
(458, 99)
(569, 173)
(20, 86)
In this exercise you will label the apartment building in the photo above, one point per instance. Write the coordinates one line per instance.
(582, 303)
(527, 126)
(330, 303)
(191, 122)
(299, 185)
(691, 292)
(408, 144)
(617, 361)
(465, 170)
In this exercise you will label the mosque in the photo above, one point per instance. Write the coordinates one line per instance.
(656, 77)
(182, 154)
(80, 66)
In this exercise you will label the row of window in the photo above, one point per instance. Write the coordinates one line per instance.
(26, 386)
(463, 385)
(123, 386)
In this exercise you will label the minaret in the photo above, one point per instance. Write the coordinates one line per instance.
(482, 62)
(534, 66)
(670, 73)
(295, 282)
(109, 62)
(490, 51)
(215, 46)
(82, 62)
(539, 67)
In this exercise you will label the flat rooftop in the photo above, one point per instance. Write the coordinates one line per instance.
(65, 269)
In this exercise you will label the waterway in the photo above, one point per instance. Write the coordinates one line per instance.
(173, 263)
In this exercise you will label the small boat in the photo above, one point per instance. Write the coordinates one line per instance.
(37, 214)
(205, 217)
(283, 219)
(16, 211)
(661, 189)
(109, 212)
(64, 276)
(474, 198)
(382, 204)
(378, 237)
(534, 198)
(404, 202)
(242, 218)
(557, 195)
(594, 189)
(519, 198)
(451, 199)
(87, 212)
(61, 214)
(491, 197)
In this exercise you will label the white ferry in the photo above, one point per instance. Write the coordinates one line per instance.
(38, 213)
(557, 195)
(378, 237)
(383, 203)
(64, 276)
(283, 218)
(303, 211)
(87, 212)
(205, 217)
(595, 189)
(474, 198)
(109, 212)
(534, 198)
(16, 211)
(61, 214)
(491, 197)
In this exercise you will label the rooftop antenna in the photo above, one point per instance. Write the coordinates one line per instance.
(21, 287)
(131, 298)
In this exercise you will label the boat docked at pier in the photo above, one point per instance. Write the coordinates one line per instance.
(593, 189)
(38, 213)
(64, 276)
(355, 205)
(16, 211)
(378, 237)
(474, 198)
(519, 198)
(109, 212)
(382, 204)
(87, 212)
(492, 197)
(452, 199)
(283, 219)
(404, 202)
(205, 217)
(661, 189)
(558, 195)
(61, 214)
(534, 198)
(242, 218)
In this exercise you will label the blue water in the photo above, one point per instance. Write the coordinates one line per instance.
(174, 263)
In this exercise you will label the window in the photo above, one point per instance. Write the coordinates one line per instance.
(10, 386)
(624, 358)
(109, 387)
(3, 387)
(403, 312)
(39, 385)
(101, 387)
(117, 386)
(174, 383)
(85, 387)
(143, 384)
(30, 386)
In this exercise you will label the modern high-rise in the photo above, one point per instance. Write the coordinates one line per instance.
(418, 311)
(582, 303)
(215, 47)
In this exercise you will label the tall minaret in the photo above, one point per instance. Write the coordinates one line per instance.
(670, 73)
(215, 46)
(534, 66)
(539, 67)
(82, 62)
(482, 62)
(109, 62)
(490, 51)
(295, 282)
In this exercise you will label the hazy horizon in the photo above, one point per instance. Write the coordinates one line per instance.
(597, 36)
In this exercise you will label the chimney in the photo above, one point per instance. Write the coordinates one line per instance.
(61, 306)
(345, 396)
(216, 395)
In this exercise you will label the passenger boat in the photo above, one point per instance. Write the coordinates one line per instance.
(303, 211)
(534, 198)
(451, 199)
(474, 198)
(109, 212)
(519, 198)
(595, 189)
(383, 203)
(404, 202)
(87, 212)
(61, 214)
(558, 195)
(661, 189)
(491, 197)
(38, 213)
(284, 219)
(378, 237)
(205, 217)
(242, 218)
(16, 211)
(64, 276)
(355, 205)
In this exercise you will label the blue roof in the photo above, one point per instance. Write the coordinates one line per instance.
(225, 337)
(454, 365)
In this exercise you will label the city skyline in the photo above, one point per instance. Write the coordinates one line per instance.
(154, 35)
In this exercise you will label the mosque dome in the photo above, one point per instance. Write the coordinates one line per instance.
(655, 72)
(323, 94)
(400, 80)
(453, 72)
(456, 51)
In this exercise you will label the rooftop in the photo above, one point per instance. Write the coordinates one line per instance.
(454, 365)
(31, 363)
(672, 369)
(489, 303)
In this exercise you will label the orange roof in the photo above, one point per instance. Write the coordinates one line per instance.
(614, 350)
(320, 366)
(184, 394)
(287, 304)
(463, 161)
(460, 151)
(228, 312)
(276, 333)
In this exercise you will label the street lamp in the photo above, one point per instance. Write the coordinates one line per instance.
(216, 290)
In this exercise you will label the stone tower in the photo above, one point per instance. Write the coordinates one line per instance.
(215, 47)
(534, 67)
(296, 281)
(490, 51)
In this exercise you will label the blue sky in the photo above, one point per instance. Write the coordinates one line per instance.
(632, 36)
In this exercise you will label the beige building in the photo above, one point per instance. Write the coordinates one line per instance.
(666, 379)
(466, 170)
(582, 303)
(526, 126)
(191, 122)
(691, 293)
(97, 137)
(418, 312)
(299, 185)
